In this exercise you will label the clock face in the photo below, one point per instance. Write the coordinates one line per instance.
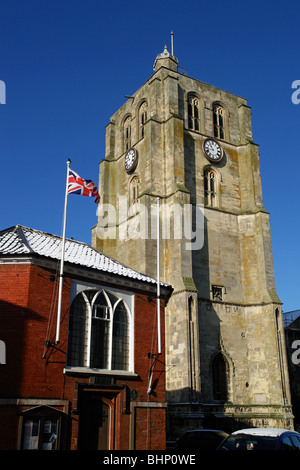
(130, 160)
(213, 150)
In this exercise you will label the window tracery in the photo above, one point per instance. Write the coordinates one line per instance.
(99, 330)
(143, 118)
(219, 122)
(127, 133)
(193, 113)
(210, 188)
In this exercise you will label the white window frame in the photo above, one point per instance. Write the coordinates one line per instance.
(128, 300)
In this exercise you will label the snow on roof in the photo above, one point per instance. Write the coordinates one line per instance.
(270, 432)
(20, 240)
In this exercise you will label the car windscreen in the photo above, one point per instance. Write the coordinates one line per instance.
(246, 442)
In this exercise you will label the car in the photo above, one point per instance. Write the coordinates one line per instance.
(200, 439)
(262, 439)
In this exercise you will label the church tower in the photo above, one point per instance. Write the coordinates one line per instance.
(190, 145)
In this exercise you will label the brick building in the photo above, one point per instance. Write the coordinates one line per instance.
(102, 386)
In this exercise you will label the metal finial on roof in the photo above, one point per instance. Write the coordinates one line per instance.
(166, 55)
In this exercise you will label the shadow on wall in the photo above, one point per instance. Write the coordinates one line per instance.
(13, 321)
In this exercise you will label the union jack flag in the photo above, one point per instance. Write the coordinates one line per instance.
(77, 185)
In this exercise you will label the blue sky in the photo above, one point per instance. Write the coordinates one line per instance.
(67, 66)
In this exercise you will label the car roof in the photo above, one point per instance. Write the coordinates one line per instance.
(203, 430)
(270, 432)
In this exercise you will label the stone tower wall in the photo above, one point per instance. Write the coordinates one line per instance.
(244, 325)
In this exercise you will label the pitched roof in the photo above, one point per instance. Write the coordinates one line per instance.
(20, 240)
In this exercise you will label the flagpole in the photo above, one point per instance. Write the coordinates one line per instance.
(61, 273)
(158, 302)
(158, 283)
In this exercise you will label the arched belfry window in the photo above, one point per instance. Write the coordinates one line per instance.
(219, 121)
(127, 133)
(219, 378)
(193, 113)
(134, 190)
(99, 331)
(142, 118)
(210, 188)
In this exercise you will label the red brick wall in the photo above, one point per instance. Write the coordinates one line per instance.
(150, 433)
(14, 286)
(146, 342)
(26, 305)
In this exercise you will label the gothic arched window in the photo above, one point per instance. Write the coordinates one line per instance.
(219, 122)
(219, 378)
(193, 113)
(127, 133)
(210, 188)
(133, 190)
(142, 118)
(99, 330)
(120, 335)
